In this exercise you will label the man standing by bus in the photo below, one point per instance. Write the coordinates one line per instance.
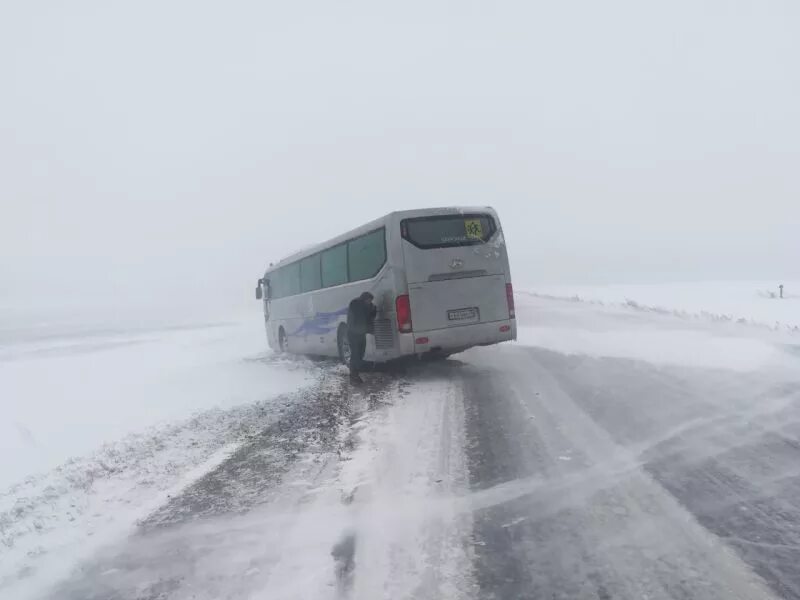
(360, 321)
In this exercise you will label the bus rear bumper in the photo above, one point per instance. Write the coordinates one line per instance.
(456, 339)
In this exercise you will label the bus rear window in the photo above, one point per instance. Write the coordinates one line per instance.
(446, 231)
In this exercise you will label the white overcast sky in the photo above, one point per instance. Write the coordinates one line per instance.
(174, 148)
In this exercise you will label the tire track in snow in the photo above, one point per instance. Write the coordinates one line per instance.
(275, 466)
(724, 444)
(609, 530)
(51, 522)
(220, 535)
(407, 475)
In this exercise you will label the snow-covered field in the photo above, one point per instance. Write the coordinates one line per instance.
(658, 335)
(755, 303)
(71, 387)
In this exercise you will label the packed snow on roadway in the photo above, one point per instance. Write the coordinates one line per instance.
(176, 457)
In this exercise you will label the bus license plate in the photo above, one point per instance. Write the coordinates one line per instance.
(462, 314)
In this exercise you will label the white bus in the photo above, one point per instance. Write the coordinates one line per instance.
(440, 278)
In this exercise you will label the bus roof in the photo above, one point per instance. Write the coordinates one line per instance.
(375, 224)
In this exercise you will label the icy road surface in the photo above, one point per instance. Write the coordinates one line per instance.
(609, 454)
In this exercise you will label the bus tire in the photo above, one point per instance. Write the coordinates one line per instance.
(283, 341)
(342, 344)
(434, 356)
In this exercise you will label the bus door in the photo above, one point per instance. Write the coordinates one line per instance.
(263, 292)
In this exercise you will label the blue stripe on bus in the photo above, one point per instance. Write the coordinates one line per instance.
(320, 324)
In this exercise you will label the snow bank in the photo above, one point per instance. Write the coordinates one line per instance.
(67, 393)
(597, 328)
(755, 303)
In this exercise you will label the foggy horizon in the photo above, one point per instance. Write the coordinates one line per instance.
(151, 151)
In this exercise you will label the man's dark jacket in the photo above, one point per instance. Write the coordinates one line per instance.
(360, 317)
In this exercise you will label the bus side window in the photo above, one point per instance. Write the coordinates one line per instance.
(366, 255)
(334, 266)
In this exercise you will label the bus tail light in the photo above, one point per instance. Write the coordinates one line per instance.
(403, 305)
(510, 300)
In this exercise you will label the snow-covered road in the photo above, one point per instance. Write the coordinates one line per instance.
(609, 454)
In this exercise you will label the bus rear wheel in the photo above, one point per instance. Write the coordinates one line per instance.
(283, 341)
(343, 344)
